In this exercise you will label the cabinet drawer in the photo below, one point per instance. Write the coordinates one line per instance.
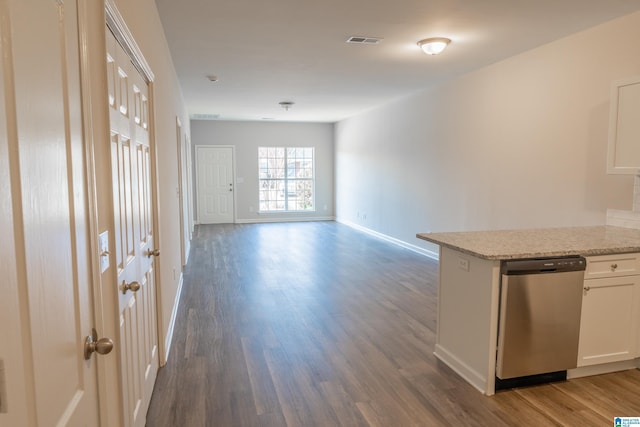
(612, 265)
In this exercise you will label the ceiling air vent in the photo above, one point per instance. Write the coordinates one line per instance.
(204, 116)
(363, 40)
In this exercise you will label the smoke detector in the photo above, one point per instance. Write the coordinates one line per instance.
(286, 104)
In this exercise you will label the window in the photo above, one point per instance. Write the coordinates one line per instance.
(286, 179)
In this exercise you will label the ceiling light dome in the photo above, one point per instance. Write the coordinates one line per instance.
(434, 45)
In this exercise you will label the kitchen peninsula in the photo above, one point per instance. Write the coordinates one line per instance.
(469, 295)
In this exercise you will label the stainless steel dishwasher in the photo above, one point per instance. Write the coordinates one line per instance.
(539, 323)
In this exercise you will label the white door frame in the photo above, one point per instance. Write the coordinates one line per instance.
(188, 149)
(92, 112)
(184, 237)
(189, 162)
(233, 178)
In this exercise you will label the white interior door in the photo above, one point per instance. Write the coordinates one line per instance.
(134, 240)
(45, 294)
(215, 192)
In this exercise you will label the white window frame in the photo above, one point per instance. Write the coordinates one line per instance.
(287, 179)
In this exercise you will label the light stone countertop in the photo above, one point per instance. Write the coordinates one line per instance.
(543, 242)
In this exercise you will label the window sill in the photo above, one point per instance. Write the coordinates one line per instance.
(284, 212)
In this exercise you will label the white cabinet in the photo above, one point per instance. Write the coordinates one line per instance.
(624, 127)
(610, 309)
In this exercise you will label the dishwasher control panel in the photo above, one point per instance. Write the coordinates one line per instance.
(544, 265)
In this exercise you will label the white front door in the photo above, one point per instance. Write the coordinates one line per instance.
(45, 290)
(214, 169)
(134, 239)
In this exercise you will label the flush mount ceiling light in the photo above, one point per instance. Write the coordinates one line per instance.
(434, 45)
(286, 104)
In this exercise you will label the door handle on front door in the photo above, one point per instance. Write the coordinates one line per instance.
(133, 286)
(94, 345)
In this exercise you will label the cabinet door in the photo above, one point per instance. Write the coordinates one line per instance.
(624, 127)
(608, 327)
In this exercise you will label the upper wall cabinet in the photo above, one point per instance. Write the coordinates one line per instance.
(624, 127)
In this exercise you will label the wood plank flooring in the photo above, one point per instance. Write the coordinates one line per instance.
(316, 324)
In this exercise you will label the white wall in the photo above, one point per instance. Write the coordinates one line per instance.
(246, 137)
(518, 144)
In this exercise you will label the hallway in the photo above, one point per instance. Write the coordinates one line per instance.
(316, 324)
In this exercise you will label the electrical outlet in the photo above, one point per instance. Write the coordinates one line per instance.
(463, 264)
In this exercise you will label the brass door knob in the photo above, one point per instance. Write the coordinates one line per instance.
(94, 345)
(133, 286)
(154, 252)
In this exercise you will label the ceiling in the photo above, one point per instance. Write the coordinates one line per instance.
(267, 51)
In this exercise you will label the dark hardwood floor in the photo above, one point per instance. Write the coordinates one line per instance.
(316, 324)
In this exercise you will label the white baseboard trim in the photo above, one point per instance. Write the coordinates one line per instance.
(462, 369)
(287, 219)
(402, 243)
(172, 322)
(604, 368)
